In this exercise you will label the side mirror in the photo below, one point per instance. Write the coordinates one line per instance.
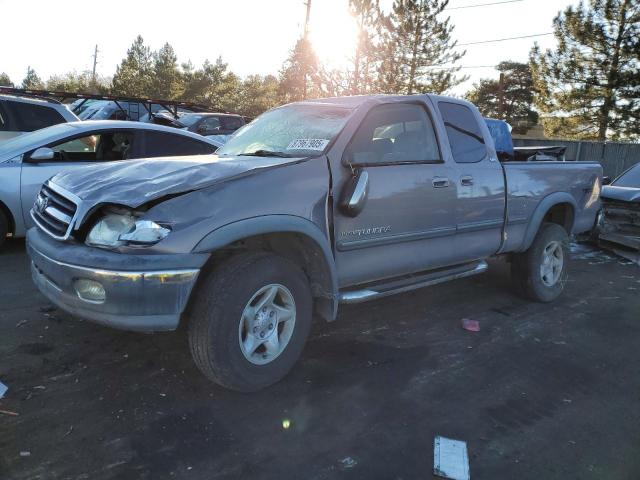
(606, 180)
(355, 193)
(42, 154)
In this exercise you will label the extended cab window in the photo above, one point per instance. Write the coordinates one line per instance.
(33, 117)
(465, 136)
(398, 133)
(161, 144)
(102, 147)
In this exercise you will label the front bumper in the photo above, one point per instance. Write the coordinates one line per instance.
(142, 292)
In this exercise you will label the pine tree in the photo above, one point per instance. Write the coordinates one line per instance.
(32, 80)
(589, 86)
(415, 40)
(257, 94)
(369, 18)
(78, 83)
(134, 74)
(5, 81)
(167, 80)
(212, 85)
(300, 73)
(510, 99)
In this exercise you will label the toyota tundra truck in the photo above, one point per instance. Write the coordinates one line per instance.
(312, 205)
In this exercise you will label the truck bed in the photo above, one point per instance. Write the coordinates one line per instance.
(529, 183)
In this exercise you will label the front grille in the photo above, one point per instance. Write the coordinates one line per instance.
(54, 210)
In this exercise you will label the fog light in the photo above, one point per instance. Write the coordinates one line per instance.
(90, 290)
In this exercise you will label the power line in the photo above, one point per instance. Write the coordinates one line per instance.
(504, 39)
(482, 5)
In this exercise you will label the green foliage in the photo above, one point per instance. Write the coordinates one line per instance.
(134, 75)
(414, 41)
(167, 82)
(5, 81)
(78, 83)
(589, 86)
(512, 100)
(366, 61)
(257, 94)
(300, 75)
(212, 85)
(32, 80)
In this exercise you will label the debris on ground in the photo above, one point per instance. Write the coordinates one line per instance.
(8, 412)
(47, 309)
(470, 325)
(348, 462)
(20, 323)
(25, 453)
(3, 389)
(450, 459)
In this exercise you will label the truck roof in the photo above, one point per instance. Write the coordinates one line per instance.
(355, 101)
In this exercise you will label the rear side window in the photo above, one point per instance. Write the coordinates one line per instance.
(465, 136)
(161, 144)
(231, 123)
(395, 133)
(29, 117)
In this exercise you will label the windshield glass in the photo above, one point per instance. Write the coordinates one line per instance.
(188, 120)
(33, 139)
(290, 130)
(630, 178)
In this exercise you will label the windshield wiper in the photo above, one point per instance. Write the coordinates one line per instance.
(265, 153)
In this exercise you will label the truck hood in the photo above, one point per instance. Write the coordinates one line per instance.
(135, 182)
(622, 194)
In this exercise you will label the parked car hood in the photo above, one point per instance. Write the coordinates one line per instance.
(622, 194)
(134, 183)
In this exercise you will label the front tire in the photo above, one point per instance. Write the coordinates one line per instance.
(250, 320)
(541, 272)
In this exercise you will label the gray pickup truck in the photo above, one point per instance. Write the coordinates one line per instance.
(312, 204)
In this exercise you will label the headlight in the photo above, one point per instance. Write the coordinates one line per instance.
(117, 229)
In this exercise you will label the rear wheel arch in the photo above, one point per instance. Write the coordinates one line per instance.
(294, 238)
(6, 213)
(558, 208)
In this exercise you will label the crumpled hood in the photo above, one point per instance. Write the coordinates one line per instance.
(622, 194)
(136, 182)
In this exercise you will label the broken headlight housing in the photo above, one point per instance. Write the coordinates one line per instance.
(120, 227)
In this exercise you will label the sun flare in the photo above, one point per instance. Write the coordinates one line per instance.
(334, 34)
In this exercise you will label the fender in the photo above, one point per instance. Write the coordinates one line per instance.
(541, 210)
(266, 224)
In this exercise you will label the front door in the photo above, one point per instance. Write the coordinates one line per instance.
(407, 223)
(69, 153)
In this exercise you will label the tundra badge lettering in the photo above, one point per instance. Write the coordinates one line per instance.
(359, 232)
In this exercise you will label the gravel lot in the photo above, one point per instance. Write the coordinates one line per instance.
(541, 392)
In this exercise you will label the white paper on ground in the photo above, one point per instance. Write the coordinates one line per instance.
(3, 389)
(450, 459)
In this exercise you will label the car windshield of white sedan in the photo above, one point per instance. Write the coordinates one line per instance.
(631, 178)
(289, 131)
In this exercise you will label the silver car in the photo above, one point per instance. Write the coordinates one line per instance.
(27, 161)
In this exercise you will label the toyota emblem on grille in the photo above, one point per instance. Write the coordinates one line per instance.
(41, 203)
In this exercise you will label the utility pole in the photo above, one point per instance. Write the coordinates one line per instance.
(306, 46)
(95, 62)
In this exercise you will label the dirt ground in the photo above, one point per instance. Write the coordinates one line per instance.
(541, 392)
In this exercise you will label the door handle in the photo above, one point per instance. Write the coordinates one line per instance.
(440, 182)
(466, 180)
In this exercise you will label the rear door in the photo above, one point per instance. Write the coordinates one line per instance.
(480, 206)
(407, 223)
(71, 152)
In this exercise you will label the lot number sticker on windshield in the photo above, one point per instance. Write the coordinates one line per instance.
(308, 144)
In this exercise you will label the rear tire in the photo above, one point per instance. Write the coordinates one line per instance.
(241, 339)
(4, 228)
(541, 273)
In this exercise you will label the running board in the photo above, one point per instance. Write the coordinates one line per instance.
(414, 282)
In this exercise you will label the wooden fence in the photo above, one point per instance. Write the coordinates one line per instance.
(615, 157)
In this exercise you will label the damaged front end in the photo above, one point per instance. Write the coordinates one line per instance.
(619, 223)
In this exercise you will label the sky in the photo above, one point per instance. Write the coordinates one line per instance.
(252, 36)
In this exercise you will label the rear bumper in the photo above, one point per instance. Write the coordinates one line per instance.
(141, 292)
